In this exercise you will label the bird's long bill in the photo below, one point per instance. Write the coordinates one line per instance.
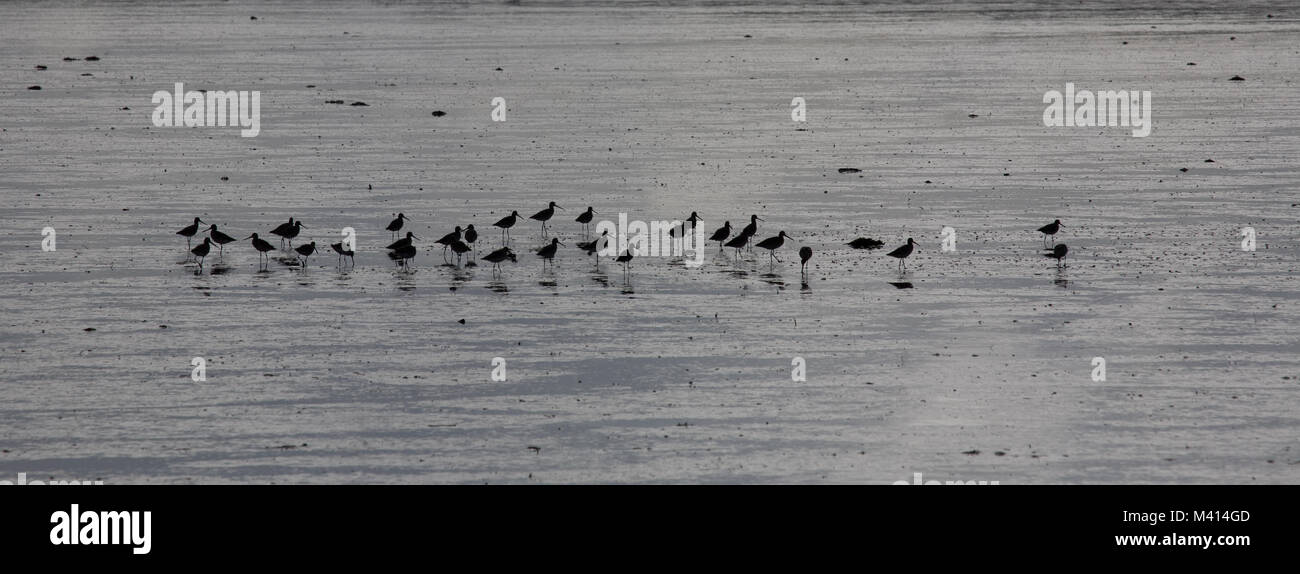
(561, 243)
(761, 219)
(301, 225)
(559, 207)
(414, 236)
(246, 238)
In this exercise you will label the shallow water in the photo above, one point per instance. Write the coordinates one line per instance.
(671, 374)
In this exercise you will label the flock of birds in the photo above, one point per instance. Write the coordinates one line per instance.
(462, 241)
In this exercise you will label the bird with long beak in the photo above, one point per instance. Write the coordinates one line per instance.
(338, 248)
(751, 229)
(1049, 231)
(396, 225)
(446, 240)
(585, 219)
(262, 246)
(305, 251)
(902, 252)
(403, 242)
(201, 250)
(221, 239)
(722, 233)
(545, 215)
(505, 223)
(771, 244)
(289, 232)
(190, 230)
(686, 226)
(547, 253)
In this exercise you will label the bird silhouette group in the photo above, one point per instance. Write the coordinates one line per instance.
(462, 241)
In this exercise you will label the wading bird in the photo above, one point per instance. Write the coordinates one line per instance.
(722, 233)
(595, 245)
(262, 246)
(338, 248)
(626, 260)
(305, 251)
(289, 232)
(221, 239)
(446, 240)
(201, 250)
(403, 256)
(1050, 230)
(496, 257)
(686, 226)
(738, 242)
(470, 235)
(902, 252)
(403, 242)
(396, 225)
(547, 253)
(505, 223)
(751, 229)
(459, 248)
(771, 244)
(585, 219)
(189, 230)
(805, 253)
(545, 215)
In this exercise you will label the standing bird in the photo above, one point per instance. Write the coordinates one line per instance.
(338, 248)
(221, 239)
(681, 230)
(625, 259)
(594, 245)
(1050, 230)
(470, 236)
(289, 232)
(305, 251)
(722, 233)
(201, 250)
(771, 244)
(459, 248)
(403, 242)
(496, 257)
(547, 253)
(1058, 253)
(403, 255)
(751, 229)
(283, 227)
(505, 223)
(902, 252)
(262, 246)
(396, 225)
(805, 253)
(866, 243)
(585, 219)
(189, 230)
(545, 215)
(446, 240)
(738, 242)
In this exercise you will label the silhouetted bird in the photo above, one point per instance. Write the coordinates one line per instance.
(189, 230)
(902, 252)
